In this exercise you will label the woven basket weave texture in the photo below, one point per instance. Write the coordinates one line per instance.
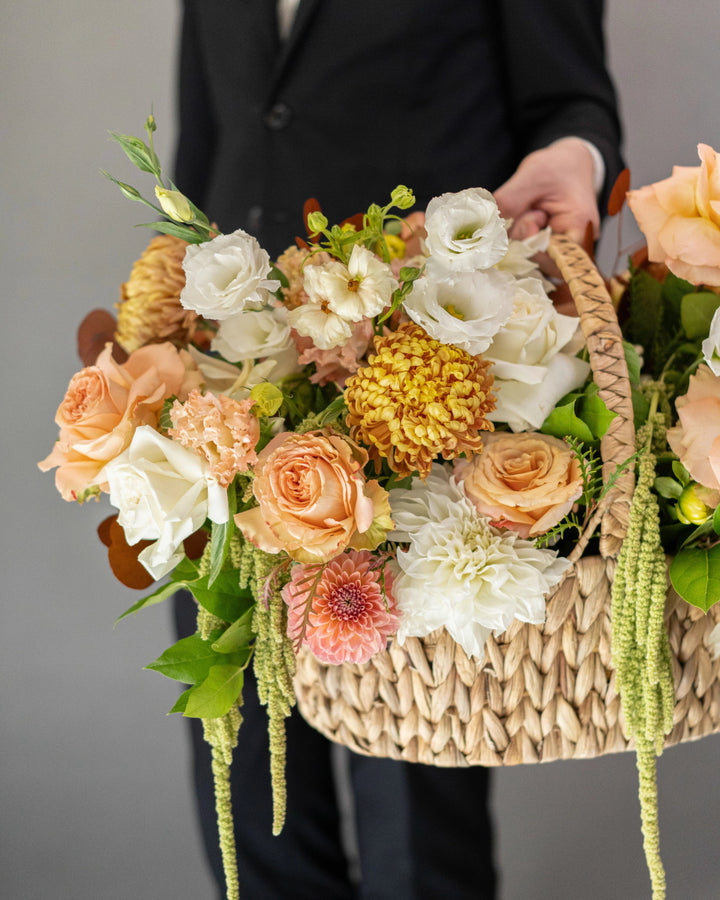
(542, 693)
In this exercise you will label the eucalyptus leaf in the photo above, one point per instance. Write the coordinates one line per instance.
(218, 692)
(695, 575)
(696, 311)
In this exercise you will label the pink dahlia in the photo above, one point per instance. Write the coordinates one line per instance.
(352, 611)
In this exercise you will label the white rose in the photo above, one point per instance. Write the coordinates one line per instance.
(357, 291)
(711, 345)
(465, 231)
(253, 334)
(163, 494)
(226, 275)
(531, 371)
(464, 309)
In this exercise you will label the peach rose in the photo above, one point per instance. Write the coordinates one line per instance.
(680, 218)
(696, 437)
(313, 500)
(105, 403)
(525, 482)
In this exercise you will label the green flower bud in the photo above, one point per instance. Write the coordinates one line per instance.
(691, 509)
(150, 124)
(403, 197)
(175, 205)
(267, 398)
(316, 222)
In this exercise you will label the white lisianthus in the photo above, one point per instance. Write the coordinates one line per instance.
(465, 231)
(164, 494)
(459, 572)
(464, 309)
(360, 290)
(519, 258)
(253, 334)
(226, 275)
(711, 345)
(531, 371)
(326, 328)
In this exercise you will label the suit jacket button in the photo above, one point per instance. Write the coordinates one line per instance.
(278, 116)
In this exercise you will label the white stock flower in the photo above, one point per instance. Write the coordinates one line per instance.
(360, 290)
(326, 328)
(464, 309)
(226, 275)
(531, 371)
(711, 345)
(459, 572)
(164, 494)
(464, 231)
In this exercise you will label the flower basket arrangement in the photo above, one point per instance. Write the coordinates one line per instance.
(419, 500)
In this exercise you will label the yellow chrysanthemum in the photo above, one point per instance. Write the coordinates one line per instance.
(149, 310)
(418, 399)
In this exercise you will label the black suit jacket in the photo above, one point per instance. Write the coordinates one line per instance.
(366, 94)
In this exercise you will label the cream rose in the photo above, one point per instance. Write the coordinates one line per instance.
(226, 275)
(464, 231)
(164, 494)
(524, 482)
(313, 500)
(105, 403)
(531, 371)
(696, 437)
(680, 218)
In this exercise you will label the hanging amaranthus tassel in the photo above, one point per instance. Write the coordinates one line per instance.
(274, 664)
(640, 647)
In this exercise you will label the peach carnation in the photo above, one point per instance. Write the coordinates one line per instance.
(149, 310)
(105, 403)
(418, 399)
(524, 482)
(313, 500)
(222, 430)
(352, 611)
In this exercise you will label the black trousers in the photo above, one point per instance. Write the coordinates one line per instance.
(423, 833)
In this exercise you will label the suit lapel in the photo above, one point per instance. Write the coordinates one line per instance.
(303, 16)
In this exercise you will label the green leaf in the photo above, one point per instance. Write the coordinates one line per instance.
(181, 702)
(632, 360)
(225, 599)
(138, 152)
(641, 407)
(237, 636)
(184, 232)
(695, 575)
(188, 660)
(595, 413)
(215, 696)
(167, 590)
(563, 422)
(696, 312)
(668, 488)
(220, 538)
(680, 472)
(716, 520)
(645, 310)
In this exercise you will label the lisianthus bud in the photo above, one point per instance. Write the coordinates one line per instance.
(403, 197)
(691, 508)
(316, 222)
(175, 205)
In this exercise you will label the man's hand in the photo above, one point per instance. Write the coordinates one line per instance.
(554, 186)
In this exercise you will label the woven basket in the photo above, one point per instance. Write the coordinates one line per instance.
(542, 693)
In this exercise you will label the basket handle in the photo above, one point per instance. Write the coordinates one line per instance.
(607, 360)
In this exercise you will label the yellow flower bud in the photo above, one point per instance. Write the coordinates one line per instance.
(395, 245)
(175, 205)
(316, 222)
(691, 509)
(402, 197)
(268, 399)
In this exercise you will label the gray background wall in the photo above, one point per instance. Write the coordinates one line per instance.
(94, 795)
